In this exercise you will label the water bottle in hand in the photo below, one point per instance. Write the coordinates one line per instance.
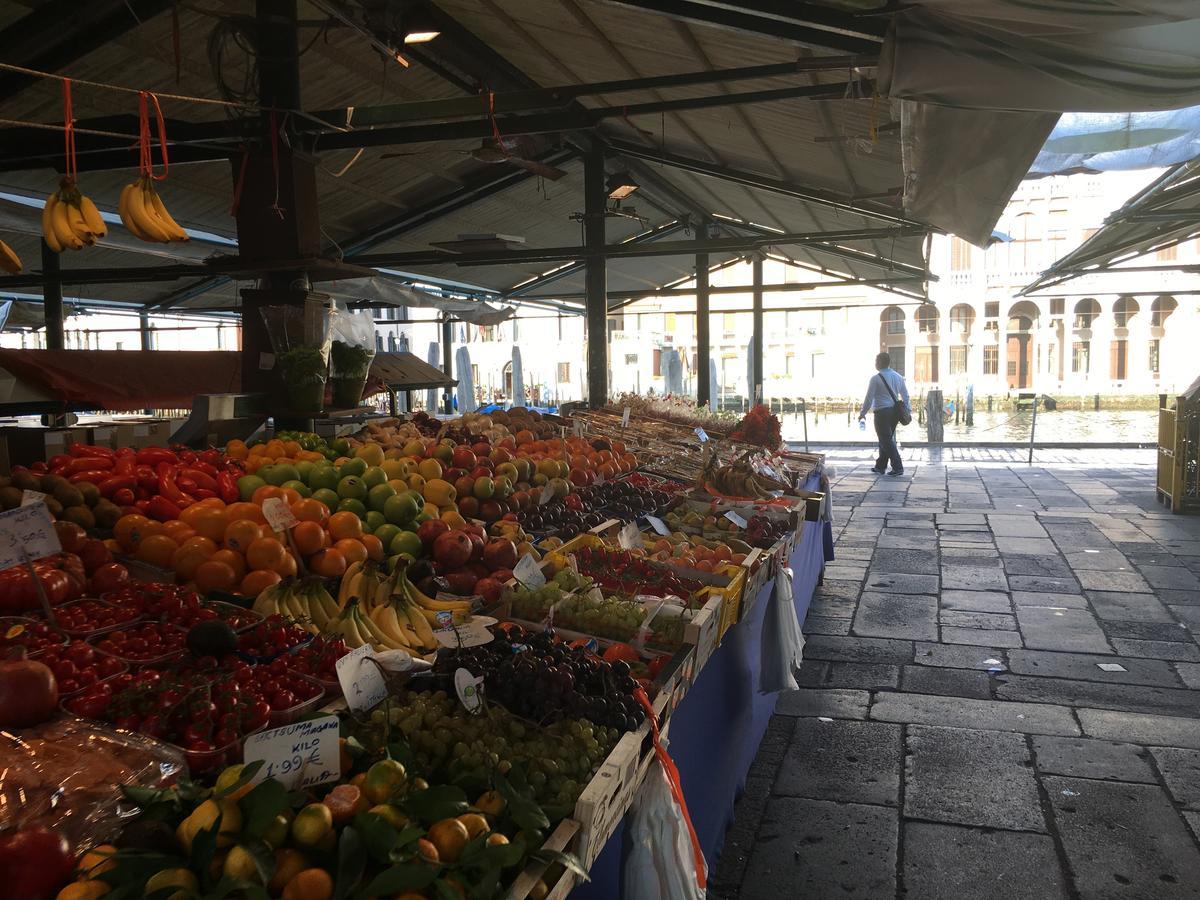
(862, 424)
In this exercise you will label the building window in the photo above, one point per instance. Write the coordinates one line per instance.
(1161, 309)
(991, 360)
(960, 255)
(1119, 357)
(925, 361)
(927, 319)
(1123, 311)
(1168, 254)
(631, 359)
(1080, 351)
(1052, 360)
(1086, 311)
(1057, 305)
(564, 373)
(958, 360)
(894, 321)
(991, 309)
(1154, 362)
(961, 317)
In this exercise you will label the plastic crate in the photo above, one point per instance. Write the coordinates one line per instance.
(9, 622)
(279, 718)
(84, 634)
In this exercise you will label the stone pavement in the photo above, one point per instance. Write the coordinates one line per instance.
(1000, 696)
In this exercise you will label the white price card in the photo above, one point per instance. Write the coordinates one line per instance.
(299, 755)
(28, 498)
(579, 426)
(546, 495)
(701, 433)
(467, 687)
(528, 572)
(658, 524)
(625, 418)
(27, 532)
(630, 537)
(735, 519)
(278, 515)
(362, 682)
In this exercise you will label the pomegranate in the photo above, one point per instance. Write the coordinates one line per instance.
(28, 692)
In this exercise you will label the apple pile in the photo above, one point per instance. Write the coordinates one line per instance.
(466, 561)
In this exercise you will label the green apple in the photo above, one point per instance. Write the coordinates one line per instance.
(323, 477)
(299, 487)
(247, 485)
(379, 495)
(355, 467)
(386, 533)
(374, 520)
(484, 488)
(351, 488)
(328, 497)
(406, 542)
(373, 476)
(354, 506)
(401, 508)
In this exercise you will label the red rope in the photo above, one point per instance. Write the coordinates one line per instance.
(491, 111)
(237, 191)
(146, 142)
(70, 166)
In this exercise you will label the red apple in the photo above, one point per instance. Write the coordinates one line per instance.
(513, 504)
(461, 583)
(430, 530)
(499, 553)
(481, 472)
(522, 498)
(490, 589)
(468, 507)
(463, 458)
(475, 528)
(464, 485)
(452, 549)
(490, 510)
(452, 475)
(501, 454)
(510, 517)
(579, 477)
(502, 575)
(481, 448)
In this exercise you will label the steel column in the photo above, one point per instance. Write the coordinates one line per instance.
(756, 343)
(703, 348)
(144, 329)
(596, 279)
(447, 364)
(52, 299)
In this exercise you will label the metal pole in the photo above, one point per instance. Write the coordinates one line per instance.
(703, 340)
(447, 365)
(756, 344)
(52, 301)
(804, 410)
(596, 280)
(144, 329)
(1032, 428)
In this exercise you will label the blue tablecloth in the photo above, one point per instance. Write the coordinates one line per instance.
(716, 730)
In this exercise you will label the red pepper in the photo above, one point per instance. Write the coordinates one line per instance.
(86, 464)
(79, 450)
(162, 509)
(110, 486)
(123, 497)
(227, 487)
(212, 456)
(199, 478)
(142, 507)
(152, 456)
(186, 485)
(93, 476)
(125, 466)
(61, 472)
(202, 494)
(133, 509)
(167, 487)
(187, 457)
(206, 467)
(59, 460)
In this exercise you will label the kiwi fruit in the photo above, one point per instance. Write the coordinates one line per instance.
(106, 514)
(10, 497)
(54, 506)
(80, 515)
(26, 481)
(91, 493)
(68, 495)
(51, 483)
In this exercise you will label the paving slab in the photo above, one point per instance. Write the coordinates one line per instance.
(1140, 728)
(1180, 598)
(854, 762)
(1102, 560)
(981, 637)
(1190, 673)
(830, 588)
(1149, 631)
(969, 619)
(1026, 545)
(1043, 584)
(1026, 526)
(976, 578)
(1128, 697)
(837, 703)
(834, 607)
(962, 712)
(1174, 650)
(1189, 615)
(909, 562)
(819, 848)
(856, 649)
(1061, 629)
(825, 625)
(899, 583)
(1181, 771)
(960, 657)
(1086, 758)
(974, 556)
(952, 862)
(1054, 601)
(1051, 565)
(1127, 607)
(1112, 859)
(909, 616)
(864, 676)
(975, 601)
(1050, 664)
(1173, 577)
(968, 777)
(1096, 580)
(946, 682)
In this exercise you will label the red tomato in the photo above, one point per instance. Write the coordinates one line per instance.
(34, 863)
(109, 577)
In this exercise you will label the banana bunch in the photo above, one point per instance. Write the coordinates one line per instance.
(740, 481)
(429, 608)
(143, 213)
(70, 219)
(9, 261)
(305, 602)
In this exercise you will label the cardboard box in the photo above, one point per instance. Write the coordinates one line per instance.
(25, 446)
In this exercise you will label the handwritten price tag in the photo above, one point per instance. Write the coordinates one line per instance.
(299, 755)
(27, 532)
(546, 495)
(658, 524)
(629, 537)
(278, 515)
(362, 683)
(701, 433)
(28, 498)
(579, 427)
(735, 519)
(529, 573)
(625, 418)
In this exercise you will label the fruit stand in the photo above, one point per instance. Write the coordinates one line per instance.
(431, 658)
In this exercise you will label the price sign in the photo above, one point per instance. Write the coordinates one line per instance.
(579, 427)
(529, 573)
(546, 495)
(701, 433)
(27, 532)
(361, 681)
(625, 418)
(299, 755)
(28, 498)
(467, 687)
(278, 515)
(658, 525)
(629, 537)
(735, 519)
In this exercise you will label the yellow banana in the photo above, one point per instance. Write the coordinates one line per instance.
(126, 215)
(144, 218)
(316, 612)
(322, 598)
(376, 635)
(407, 629)
(352, 573)
(91, 215)
(350, 632)
(61, 224)
(173, 229)
(48, 235)
(383, 595)
(267, 603)
(9, 261)
(367, 586)
(78, 226)
(414, 594)
(424, 632)
(385, 618)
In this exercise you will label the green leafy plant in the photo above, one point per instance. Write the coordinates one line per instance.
(301, 364)
(349, 361)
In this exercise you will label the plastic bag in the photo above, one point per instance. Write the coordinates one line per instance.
(301, 337)
(782, 639)
(67, 774)
(661, 864)
(350, 356)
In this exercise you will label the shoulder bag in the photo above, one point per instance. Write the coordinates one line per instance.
(905, 417)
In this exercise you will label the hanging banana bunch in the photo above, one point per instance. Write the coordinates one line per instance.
(70, 219)
(144, 214)
(9, 261)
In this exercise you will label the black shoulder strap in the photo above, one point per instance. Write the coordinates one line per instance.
(887, 387)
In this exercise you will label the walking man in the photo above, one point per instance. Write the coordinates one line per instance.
(884, 391)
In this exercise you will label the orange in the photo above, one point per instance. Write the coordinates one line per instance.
(288, 568)
(292, 448)
(345, 525)
(258, 581)
(187, 559)
(207, 545)
(130, 530)
(249, 511)
(236, 449)
(450, 836)
(209, 503)
(374, 547)
(178, 531)
(266, 492)
(215, 576)
(309, 510)
(234, 560)
(345, 802)
(241, 533)
(266, 553)
(275, 448)
(291, 497)
(311, 884)
(354, 551)
(157, 550)
(209, 522)
(328, 563)
(114, 546)
(310, 538)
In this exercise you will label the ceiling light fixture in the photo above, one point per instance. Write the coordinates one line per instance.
(621, 185)
(420, 37)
